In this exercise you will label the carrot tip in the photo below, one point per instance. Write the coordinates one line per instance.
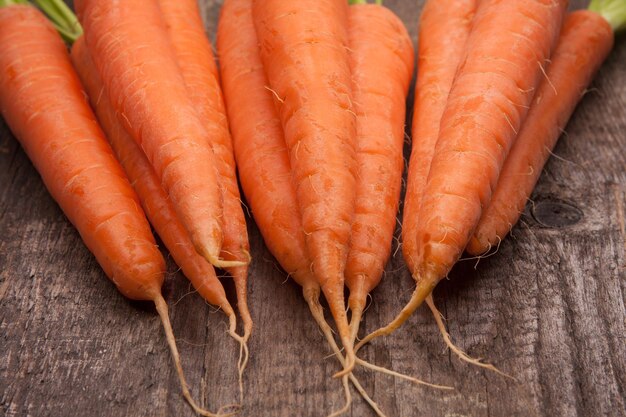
(422, 290)
(312, 299)
(222, 263)
(456, 350)
(162, 309)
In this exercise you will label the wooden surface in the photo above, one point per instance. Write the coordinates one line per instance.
(548, 308)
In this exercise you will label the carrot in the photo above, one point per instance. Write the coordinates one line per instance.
(151, 194)
(133, 54)
(506, 50)
(41, 100)
(444, 28)
(195, 59)
(304, 51)
(381, 61)
(585, 42)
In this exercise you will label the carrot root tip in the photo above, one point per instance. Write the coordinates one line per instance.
(453, 348)
(161, 307)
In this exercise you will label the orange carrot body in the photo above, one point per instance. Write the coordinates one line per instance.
(258, 141)
(42, 101)
(133, 54)
(304, 51)
(585, 42)
(153, 198)
(487, 104)
(381, 59)
(443, 32)
(197, 64)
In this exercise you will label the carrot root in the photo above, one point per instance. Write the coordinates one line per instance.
(312, 299)
(422, 290)
(455, 349)
(243, 352)
(161, 307)
(357, 306)
(223, 263)
(384, 370)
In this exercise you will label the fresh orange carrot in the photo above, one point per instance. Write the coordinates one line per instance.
(304, 51)
(42, 101)
(197, 64)
(381, 60)
(508, 46)
(444, 27)
(153, 198)
(585, 42)
(134, 56)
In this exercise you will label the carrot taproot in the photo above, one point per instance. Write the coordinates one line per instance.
(585, 42)
(304, 51)
(134, 56)
(197, 64)
(41, 100)
(487, 104)
(381, 61)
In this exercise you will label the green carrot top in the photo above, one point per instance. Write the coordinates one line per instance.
(614, 11)
(62, 17)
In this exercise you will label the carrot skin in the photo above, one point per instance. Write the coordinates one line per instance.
(42, 101)
(151, 194)
(585, 42)
(488, 102)
(304, 51)
(381, 61)
(133, 54)
(443, 31)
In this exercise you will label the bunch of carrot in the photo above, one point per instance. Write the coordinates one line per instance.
(314, 98)
(149, 72)
(489, 107)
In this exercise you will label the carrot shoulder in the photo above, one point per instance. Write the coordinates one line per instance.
(134, 57)
(304, 51)
(381, 60)
(585, 42)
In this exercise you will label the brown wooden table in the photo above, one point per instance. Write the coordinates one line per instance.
(548, 308)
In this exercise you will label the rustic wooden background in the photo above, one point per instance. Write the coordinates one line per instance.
(548, 308)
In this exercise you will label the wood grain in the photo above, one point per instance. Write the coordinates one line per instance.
(548, 308)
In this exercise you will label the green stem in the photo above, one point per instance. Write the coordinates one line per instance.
(351, 2)
(63, 18)
(614, 11)
(4, 3)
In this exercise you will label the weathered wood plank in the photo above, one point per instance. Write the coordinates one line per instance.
(548, 308)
